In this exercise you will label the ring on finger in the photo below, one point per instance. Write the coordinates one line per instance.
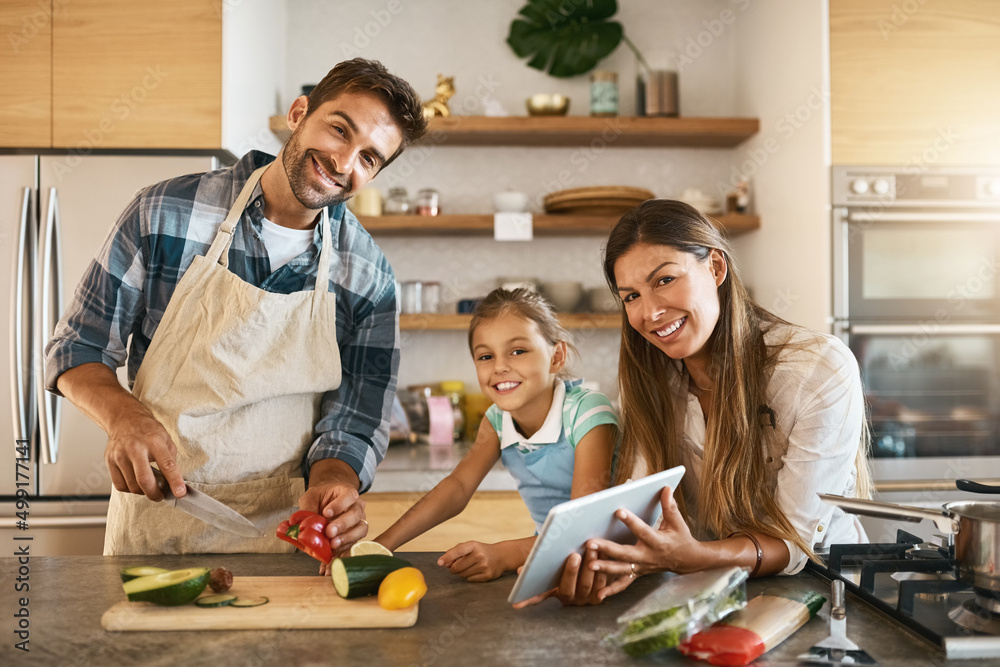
(364, 522)
(631, 570)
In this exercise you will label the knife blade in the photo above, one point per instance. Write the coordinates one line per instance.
(206, 508)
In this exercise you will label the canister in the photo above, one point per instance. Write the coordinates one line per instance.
(604, 93)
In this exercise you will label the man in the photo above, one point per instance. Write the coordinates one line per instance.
(262, 317)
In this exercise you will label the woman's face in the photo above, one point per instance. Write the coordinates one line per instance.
(671, 298)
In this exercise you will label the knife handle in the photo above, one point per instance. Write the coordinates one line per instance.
(161, 482)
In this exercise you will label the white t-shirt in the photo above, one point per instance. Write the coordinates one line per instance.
(816, 395)
(284, 243)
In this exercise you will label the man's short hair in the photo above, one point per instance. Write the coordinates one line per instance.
(371, 76)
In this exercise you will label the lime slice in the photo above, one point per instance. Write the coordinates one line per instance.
(172, 588)
(367, 548)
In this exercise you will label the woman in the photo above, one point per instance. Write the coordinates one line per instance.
(763, 414)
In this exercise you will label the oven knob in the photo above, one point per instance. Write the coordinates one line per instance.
(880, 186)
(859, 186)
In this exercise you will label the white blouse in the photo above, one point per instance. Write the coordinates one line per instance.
(816, 395)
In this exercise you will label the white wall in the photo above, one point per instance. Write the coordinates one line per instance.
(732, 62)
(783, 78)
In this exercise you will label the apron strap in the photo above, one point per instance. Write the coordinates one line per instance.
(219, 252)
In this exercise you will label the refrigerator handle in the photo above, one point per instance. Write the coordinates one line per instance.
(51, 306)
(21, 316)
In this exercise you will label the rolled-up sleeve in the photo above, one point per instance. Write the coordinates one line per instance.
(821, 452)
(354, 425)
(107, 303)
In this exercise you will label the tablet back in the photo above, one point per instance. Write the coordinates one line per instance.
(569, 525)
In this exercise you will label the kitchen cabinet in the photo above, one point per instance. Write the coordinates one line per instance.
(100, 75)
(912, 83)
(112, 74)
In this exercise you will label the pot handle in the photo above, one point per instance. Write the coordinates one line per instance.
(975, 487)
(944, 521)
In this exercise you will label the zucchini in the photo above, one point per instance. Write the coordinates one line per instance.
(136, 571)
(170, 589)
(215, 600)
(249, 602)
(357, 576)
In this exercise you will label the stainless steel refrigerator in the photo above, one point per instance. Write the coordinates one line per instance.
(55, 212)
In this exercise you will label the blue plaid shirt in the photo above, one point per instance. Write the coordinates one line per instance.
(126, 289)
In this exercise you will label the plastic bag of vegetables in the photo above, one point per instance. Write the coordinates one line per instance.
(678, 608)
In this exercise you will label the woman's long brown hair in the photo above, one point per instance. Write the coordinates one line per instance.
(731, 495)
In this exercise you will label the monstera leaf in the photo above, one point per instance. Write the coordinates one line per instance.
(566, 37)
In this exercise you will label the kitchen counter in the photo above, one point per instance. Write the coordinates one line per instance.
(420, 467)
(459, 623)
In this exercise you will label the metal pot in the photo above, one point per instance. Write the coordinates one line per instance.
(972, 526)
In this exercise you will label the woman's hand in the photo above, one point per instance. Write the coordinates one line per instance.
(670, 548)
(578, 585)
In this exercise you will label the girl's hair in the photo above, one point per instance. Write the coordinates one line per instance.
(525, 303)
(731, 496)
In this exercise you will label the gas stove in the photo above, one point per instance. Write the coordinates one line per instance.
(913, 582)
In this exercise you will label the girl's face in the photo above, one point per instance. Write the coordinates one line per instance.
(671, 298)
(515, 364)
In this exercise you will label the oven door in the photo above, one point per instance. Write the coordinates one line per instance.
(933, 394)
(929, 265)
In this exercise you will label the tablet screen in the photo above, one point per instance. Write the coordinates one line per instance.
(570, 524)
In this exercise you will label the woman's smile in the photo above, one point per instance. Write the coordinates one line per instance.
(670, 329)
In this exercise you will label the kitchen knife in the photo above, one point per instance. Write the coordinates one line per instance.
(208, 509)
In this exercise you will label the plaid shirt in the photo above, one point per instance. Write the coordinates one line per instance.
(126, 289)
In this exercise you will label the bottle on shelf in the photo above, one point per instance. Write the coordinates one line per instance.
(455, 391)
(397, 203)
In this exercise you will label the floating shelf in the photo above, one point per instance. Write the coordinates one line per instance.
(543, 225)
(452, 322)
(620, 131)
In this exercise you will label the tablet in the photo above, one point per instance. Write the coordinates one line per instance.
(570, 524)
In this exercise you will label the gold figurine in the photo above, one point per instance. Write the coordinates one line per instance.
(444, 91)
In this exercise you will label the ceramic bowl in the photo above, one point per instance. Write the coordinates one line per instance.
(601, 300)
(565, 295)
(547, 104)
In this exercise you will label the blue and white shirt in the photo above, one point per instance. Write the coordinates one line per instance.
(127, 287)
(542, 465)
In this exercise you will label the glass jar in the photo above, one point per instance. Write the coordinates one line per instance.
(455, 391)
(397, 203)
(604, 94)
(427, 202)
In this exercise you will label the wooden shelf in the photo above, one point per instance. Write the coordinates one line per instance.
(454, 322)
(620, 131)
(543, 225)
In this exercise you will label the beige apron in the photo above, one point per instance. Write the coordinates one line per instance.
(235, 374)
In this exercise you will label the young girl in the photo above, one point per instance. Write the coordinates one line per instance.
(556, 438)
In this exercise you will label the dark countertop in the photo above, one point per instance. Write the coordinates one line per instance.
(459, 623)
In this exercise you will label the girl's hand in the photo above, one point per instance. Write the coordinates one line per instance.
(671, 548)
(578, 585)
(474, 561)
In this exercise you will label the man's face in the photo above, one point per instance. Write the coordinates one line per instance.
(338, 148)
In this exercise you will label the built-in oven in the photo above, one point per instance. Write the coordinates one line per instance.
(917, 298)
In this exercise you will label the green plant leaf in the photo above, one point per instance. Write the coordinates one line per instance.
(565, 37)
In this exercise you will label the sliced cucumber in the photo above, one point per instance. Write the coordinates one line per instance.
(249, 602)
(136, 571)
(215, 600)
(357, 576)
(170, 589)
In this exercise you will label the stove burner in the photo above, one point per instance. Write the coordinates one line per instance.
(988, 601)
(971, 616)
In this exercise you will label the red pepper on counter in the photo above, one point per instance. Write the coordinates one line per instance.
(306, 530)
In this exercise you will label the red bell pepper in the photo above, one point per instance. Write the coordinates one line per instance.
(306, 530)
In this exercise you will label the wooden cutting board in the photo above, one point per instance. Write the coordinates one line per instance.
(294, 603)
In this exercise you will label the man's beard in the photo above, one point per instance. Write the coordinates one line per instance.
(299, 169)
